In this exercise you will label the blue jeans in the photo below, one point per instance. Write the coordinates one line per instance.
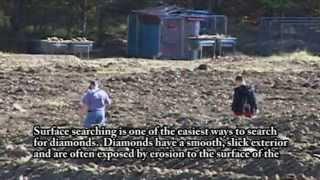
(95, 118)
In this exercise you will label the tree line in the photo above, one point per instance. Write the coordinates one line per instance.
(98, 19)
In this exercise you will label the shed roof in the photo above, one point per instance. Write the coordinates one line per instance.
(160, 10)
(173, 11)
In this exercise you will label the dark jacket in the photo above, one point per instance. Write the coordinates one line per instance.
(241, 95)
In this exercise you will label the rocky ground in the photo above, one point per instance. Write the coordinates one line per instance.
(45, 90)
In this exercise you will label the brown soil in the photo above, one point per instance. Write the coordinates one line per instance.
(46, 90)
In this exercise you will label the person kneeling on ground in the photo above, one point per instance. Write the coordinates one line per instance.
(94, 102)
(244, 100)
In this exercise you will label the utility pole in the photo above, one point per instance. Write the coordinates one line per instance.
(84, 17)
(17, 21)
(99, 20)
(210, 5)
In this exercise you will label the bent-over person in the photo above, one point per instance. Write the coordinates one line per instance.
(244, 99)
(94, 102)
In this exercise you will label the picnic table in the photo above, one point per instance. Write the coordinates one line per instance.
(217, 42)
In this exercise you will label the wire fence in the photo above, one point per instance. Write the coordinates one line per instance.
(288, 34)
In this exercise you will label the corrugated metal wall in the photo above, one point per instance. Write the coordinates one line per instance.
(150, 40)
(172, 38)
(143, 36)
(133, 36)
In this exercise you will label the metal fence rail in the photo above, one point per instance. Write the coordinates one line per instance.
(288, 34)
